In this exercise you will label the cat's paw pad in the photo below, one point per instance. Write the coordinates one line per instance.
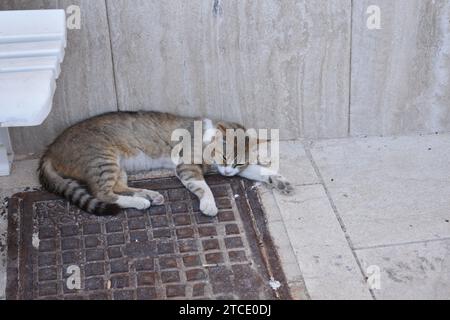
(157, 199)
(141, 203)
(208, 207)
(281, 184)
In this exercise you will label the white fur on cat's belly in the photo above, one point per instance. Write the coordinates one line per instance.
(142, 162)
(133, 202)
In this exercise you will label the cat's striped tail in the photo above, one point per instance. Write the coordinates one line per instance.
(73, 191)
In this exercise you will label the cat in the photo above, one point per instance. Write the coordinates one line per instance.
(88, 163)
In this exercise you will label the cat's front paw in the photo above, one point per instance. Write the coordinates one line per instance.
(281, 184)
(208, 206)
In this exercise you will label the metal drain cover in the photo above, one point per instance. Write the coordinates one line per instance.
(56, 251)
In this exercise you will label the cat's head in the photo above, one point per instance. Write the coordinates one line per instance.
(230, 161)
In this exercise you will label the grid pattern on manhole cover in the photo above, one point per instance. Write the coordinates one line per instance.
(166, 252)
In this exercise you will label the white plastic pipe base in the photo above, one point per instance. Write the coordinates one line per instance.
(6, 153)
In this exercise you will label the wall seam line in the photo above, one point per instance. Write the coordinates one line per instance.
(112, 56)
(349, 121)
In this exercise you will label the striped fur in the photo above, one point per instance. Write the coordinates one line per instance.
(87, 163)
(73, 191)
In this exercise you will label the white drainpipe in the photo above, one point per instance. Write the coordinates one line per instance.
(32, 46)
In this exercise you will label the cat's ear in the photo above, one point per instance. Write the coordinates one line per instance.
(255, 142)
(262, 141)
(220, 132)
(222, 127)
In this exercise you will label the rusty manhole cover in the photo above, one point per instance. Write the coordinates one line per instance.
(166, 252)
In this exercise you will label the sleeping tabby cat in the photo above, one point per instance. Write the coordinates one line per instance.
(88, 163)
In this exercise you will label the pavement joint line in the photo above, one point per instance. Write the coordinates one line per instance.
(399, 244)
(338, 216)
(307, 184)
(291, 248)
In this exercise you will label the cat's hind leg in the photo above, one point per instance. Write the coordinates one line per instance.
(122, 187)
(102, 179)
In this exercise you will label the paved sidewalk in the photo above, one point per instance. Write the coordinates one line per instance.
(361, 205)
(372, 204)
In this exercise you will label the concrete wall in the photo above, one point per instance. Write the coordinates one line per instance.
(269, 63)
(308, 67)
(401, 73)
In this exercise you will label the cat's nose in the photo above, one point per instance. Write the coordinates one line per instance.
(228, 171)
